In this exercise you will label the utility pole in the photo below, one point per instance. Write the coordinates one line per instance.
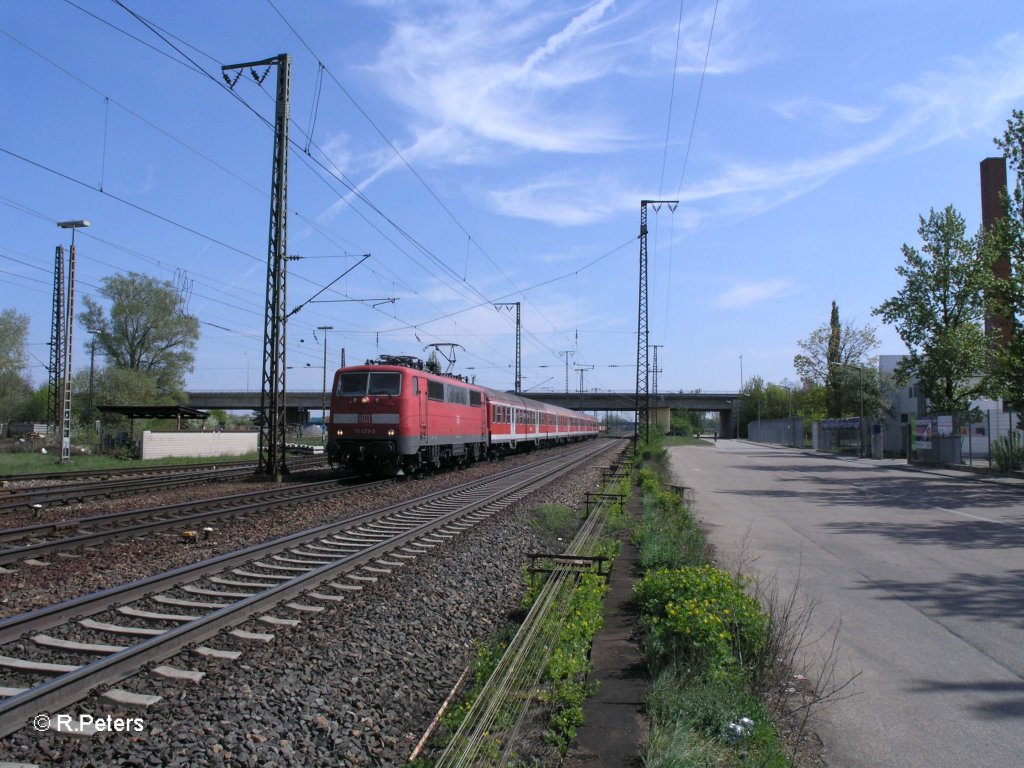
(642, 424)
(54, 394)
(69, 321)
(323, 402)
(519, 356)
(272, 392)
(567, 354)
(580, 371)
(92, 374)
(654, 367)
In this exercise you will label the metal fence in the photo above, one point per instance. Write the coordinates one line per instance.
(777, 432)
(952, 439)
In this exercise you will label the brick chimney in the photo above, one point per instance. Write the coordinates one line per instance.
(993, 188)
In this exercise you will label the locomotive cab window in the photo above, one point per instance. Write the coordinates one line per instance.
(353, 384)
(389, 383)
(370, 383)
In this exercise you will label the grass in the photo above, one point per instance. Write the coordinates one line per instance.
(705, 638)
(691, 718)
(554, 523)
(705, 442)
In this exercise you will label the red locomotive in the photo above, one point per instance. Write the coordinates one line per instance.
(393, 417)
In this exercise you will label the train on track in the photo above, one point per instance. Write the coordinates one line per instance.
(393, 417)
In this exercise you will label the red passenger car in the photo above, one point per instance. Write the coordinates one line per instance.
(398, 418)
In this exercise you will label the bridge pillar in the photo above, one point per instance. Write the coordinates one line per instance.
(661, 419)
(726, 424)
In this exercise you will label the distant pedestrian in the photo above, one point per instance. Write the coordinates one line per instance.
(716, 438)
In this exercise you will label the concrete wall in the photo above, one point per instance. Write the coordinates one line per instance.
(157, 445)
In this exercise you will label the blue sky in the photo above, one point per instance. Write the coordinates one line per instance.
(500, 152)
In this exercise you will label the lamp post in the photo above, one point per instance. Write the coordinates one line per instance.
(323, 401)
(69, 316)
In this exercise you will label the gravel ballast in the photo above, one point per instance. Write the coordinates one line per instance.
(353, 685)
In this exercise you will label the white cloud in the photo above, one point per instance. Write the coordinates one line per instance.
(747, 294)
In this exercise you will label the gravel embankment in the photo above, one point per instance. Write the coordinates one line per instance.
(33, 586)
(355, 685)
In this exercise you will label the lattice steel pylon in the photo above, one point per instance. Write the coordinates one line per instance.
(519, 342)
(55, 390)
(272, 393)
(642, 423)
(69, 325)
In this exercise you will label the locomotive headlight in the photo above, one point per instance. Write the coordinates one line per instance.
(340, 432)
(365, 399)
(391, 433)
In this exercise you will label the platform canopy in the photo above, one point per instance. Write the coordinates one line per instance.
(176, 412)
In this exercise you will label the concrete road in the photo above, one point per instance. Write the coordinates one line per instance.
(925, 572)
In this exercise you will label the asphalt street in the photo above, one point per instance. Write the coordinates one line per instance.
(921, 571)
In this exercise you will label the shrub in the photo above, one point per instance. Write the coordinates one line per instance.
(569, 662)
(668, 535)
(1008, 452)
(699, 617)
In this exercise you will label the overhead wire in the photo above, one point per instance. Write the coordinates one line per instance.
(398, 153)
(338, 174)
(199, 70)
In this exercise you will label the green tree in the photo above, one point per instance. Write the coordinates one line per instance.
(433, 365)
(833, 364)
(940, 311)
(829, 355)
(1006, 240)
(147, 330)
(15, 386)
(686, 422)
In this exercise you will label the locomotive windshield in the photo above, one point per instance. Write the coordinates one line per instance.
(369, 383)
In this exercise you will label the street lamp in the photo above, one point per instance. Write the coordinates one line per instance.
(323, 401)
(65, 440)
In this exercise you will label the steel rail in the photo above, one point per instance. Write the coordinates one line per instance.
(513, 684)
(63, 494)
(67, 688)
(244, 503)
(156, 470)
(106, 474)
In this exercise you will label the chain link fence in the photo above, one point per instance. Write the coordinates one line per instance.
(972, 440)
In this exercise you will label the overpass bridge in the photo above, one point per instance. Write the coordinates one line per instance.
(300, 403)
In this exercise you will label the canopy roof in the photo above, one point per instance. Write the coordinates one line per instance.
(178, 412)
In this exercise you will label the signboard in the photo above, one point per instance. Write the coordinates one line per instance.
(944, 426)
(923, 434)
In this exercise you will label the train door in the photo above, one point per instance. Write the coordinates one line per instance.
(513, 414)
(421, 404)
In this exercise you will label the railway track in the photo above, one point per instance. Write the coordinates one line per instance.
(295, 454)
(150, 620)
(67, 493)
(105, 474)
(43, 539)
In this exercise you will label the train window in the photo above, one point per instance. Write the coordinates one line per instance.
(415, 385)
(435, 390)
(389, 383)
(458, 395)
(353, 384)
(474, 398)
